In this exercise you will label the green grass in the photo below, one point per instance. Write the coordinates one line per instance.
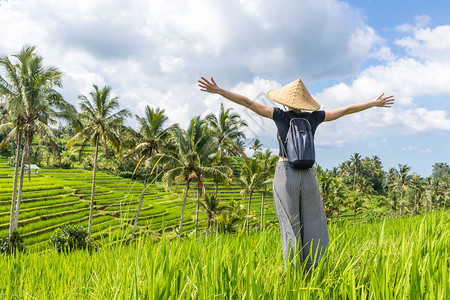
(395, 259)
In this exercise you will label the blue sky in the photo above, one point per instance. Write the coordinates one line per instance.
(417, 149)
(151, 52)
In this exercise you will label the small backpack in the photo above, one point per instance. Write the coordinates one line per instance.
(299, 144)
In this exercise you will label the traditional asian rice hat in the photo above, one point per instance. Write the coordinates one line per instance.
(295, 95)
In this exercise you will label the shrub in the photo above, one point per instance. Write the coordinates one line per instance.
(68, 238)
(12, 161)
(65, 164)
(126, 174)
(12, 244)
(92, 244)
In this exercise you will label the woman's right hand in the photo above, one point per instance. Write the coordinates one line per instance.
(210, 87)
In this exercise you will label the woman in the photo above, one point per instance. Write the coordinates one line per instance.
(295, 191)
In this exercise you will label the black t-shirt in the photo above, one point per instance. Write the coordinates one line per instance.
(282, 118)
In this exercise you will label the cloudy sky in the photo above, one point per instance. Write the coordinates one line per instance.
(153, 52)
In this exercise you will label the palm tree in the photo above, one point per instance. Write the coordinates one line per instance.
(232, 216)
(268, 163)
(221, 160)
(437, 190)
(252, 176)
(34, 104)
(226, 128)
(402, 181)
(152, 136)
(445, 189)
(355, 163)
(391, 201)
(211, 203)
(418, 187)
(389, 183)
(377, 173)
(440, 170)
(15, 134)
(236, 150)
(332, 191)
(100, 122)
(355, 202)
(256, 146)
(191, 158)
(4, 112)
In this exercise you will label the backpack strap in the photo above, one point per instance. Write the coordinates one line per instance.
(283, 149)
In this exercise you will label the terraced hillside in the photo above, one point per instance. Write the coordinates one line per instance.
(56, 197)
(232, 192)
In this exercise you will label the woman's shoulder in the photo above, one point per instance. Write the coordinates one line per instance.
(277, 113)
(318, 115)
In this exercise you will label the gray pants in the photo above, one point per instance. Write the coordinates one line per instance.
(300, 212)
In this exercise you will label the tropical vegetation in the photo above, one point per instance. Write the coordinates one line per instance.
(135, 186)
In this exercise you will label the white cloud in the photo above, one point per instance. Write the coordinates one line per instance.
(421, 21)
(414, 149)
(413, 79)
(427, 150)
(384, 53)
(409, 148)
(152, 52)
(428, 43)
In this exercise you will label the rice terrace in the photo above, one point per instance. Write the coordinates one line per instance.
(168, 149)
(384, 259)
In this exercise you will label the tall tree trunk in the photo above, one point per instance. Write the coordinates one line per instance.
(431, 196)
(262, 209)
(196, 210)
(30, 138)
(208, 222)
(401, 201)
(416, 204)
(91, 207)
(248, 211)
(16, 178)
(22, 171)
(182, 210)
(212, 224)
(140, 206)
(105, 148)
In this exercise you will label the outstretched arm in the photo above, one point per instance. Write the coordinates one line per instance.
(381, 101)
(212, 87)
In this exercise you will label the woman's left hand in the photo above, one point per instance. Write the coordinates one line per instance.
(384, 101)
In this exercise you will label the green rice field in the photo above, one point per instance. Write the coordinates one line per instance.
(387, 259)
(391, 259)
(56, 197)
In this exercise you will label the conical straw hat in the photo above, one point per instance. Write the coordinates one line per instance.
(294, 95)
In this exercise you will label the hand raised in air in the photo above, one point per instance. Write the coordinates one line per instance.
(206, 86)
(384, 101)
